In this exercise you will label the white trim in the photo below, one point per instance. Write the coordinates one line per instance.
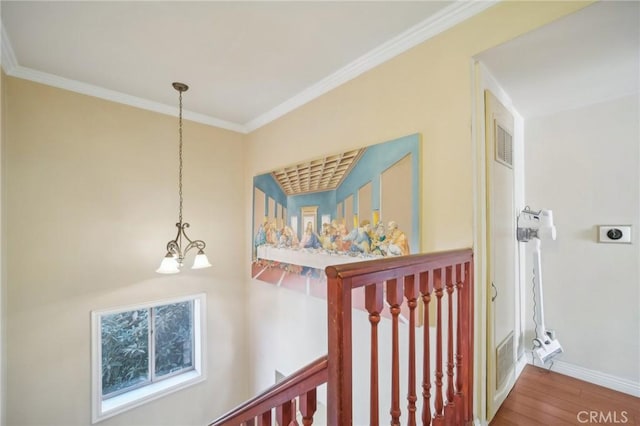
(8, 57)
(592, 376)
(140, 396)
(119, 97)
(479, 244)
(434, 25)
(101, 410)
(521, 363)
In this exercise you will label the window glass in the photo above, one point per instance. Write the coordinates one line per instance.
(173, 338)
(125, 351)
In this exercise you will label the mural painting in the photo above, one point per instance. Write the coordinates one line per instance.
(347, 207)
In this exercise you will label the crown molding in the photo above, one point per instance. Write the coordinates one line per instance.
(434, 25)
(441, 21)
(7, 58)
(114, 96)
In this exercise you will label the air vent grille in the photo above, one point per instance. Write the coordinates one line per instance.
(504, 146)
(504, 360)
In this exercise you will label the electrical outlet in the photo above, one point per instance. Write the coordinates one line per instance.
(614, 234)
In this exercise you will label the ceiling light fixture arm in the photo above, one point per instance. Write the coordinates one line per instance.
(174, 246)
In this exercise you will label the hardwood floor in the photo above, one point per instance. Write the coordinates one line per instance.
(542, 397)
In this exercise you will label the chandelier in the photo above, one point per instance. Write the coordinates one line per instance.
(182, 244)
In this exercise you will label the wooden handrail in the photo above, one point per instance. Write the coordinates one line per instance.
(366, 272)
(298, 383)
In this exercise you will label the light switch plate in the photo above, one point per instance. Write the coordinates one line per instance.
(614, 234)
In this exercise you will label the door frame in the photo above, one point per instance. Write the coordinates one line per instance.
(481, 80)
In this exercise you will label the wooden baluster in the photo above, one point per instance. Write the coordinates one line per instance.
(373, 305)
(251, 422)
(394, 299)
(459, 395)
(308, 406)
(411, 294)
(285, 414)
(265, 419)
(437, 285)
(425, 290)
(294, 414)
(450, 409)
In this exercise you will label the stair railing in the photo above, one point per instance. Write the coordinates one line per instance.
(281, 398)
(415, 279)
(397, 279)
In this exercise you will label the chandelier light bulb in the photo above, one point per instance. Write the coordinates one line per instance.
(201, 261)
(169, 265)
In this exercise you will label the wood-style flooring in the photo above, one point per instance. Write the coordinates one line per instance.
(542, 397)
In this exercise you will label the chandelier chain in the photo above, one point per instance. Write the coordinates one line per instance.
(180, 159)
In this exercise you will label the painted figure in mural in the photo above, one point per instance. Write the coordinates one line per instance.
(396, 242)
(273, 235)
(327, 237)
(309, 239)
(360, 240)
(340, 241)
(378, 238)
(288, 238)
(261, 235)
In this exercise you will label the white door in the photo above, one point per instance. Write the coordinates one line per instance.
(501, 249)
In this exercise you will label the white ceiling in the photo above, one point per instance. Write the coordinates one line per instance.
(246, 62)
(587, 57)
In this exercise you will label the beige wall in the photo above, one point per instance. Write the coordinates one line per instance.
(91, 197)
(426, 90)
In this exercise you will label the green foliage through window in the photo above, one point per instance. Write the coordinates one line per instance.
(174, 337)
(128, 349)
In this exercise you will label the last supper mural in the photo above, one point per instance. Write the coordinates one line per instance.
(345, 207)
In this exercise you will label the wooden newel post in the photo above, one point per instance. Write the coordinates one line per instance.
(339, 386)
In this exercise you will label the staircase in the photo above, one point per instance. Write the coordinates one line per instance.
(437, 291)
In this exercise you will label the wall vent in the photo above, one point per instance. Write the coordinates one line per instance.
(504, 360)
(504, 146)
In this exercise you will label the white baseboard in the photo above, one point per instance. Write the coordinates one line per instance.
(591, 376)
(520, 364)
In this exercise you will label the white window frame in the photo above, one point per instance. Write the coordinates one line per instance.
(103, 409)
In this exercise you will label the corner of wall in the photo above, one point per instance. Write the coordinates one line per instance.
(3, 363)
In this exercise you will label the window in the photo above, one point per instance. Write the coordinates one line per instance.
(143, 352)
